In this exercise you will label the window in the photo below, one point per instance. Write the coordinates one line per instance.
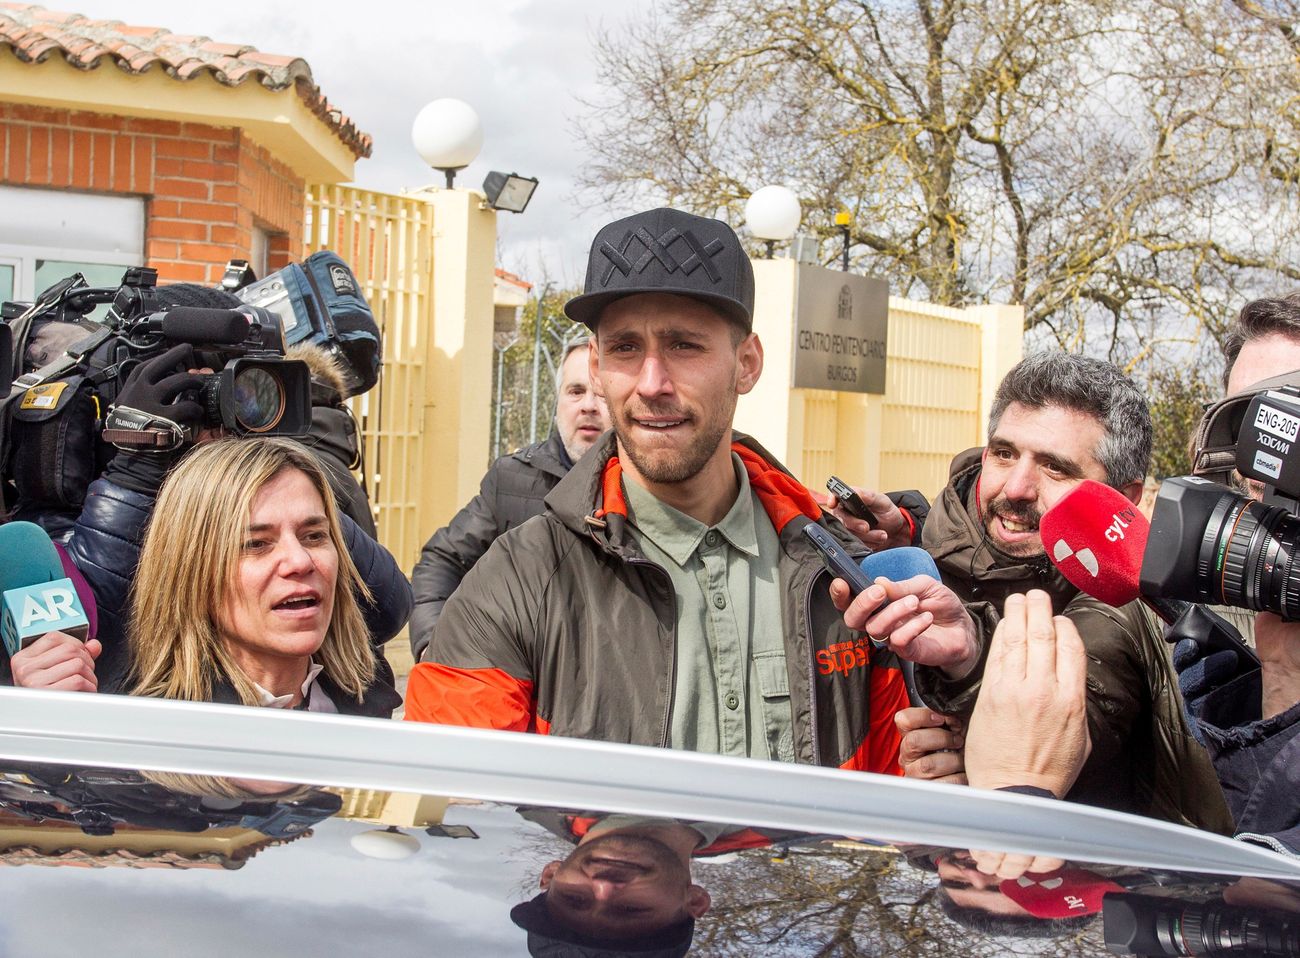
(46, 235)
(257, 257)
(8, 275)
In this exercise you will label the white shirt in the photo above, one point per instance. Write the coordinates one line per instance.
(316, 699)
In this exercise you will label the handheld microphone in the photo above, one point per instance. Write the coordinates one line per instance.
(1064, 893)
(1097, 539)
(899, 564)
(896, 565)
(38, 597)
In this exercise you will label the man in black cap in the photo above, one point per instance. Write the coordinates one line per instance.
(667, 596)
(626, 889)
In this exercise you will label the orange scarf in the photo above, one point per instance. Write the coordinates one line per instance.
(782, 496)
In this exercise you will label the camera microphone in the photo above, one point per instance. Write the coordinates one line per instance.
(198, 324)
(39, 596)
(1098, 540)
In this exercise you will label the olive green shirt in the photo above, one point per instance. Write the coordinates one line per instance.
(732, 692)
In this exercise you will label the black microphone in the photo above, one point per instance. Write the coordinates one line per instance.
(198, 324)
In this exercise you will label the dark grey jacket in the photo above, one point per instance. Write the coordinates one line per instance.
(512, 492)
(1257, 760)
(566, 628)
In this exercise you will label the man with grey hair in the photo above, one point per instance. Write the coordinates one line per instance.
(1056, 420)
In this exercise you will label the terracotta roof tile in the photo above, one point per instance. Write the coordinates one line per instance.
(511, 278)
(34, 33)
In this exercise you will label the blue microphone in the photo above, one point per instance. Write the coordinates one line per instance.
(899, 564)
(896, 565)
(37, 595)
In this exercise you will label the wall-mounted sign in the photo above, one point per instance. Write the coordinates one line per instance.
(839, 331)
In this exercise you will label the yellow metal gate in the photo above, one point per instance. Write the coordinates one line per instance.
(388, 242)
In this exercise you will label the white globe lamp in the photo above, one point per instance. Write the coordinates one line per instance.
(772, 214)
(447, 135)
(386, 844)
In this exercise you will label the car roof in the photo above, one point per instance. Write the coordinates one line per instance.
(76, 765)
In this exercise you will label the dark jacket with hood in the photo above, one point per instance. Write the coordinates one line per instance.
(105, 545)
(511, 493)
(565, 628)
(1144, 757)
(1257, 759)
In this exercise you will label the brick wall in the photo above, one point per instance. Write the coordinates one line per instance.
(206, 187)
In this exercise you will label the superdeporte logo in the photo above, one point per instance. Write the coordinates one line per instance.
(844, 657)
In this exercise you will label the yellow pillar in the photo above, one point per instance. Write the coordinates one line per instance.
(857, 440)
(1002, 346)
(773, 412)
(458, 367)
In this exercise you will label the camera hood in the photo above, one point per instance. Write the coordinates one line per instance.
(1214, 450)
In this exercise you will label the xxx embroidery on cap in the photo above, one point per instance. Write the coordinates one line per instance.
(657, 249)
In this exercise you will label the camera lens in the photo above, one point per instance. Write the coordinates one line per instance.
(1247, 556)
(258, 399)
(1150, 925)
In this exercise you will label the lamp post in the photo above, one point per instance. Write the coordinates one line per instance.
(447, 135)
(842, 220)
(772, 214)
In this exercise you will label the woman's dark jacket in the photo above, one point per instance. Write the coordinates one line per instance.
(379, 700)
(105, 545)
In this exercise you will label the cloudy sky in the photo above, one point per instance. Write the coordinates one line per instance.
(522, 64)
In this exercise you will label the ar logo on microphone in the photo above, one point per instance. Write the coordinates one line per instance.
(1062, 551)
(49, 605)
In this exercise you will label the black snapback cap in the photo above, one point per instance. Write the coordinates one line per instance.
(547, 938)
(667, 251)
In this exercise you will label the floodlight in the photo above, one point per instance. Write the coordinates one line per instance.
(509, 191)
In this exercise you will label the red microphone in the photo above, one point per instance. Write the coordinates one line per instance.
(1063, 893)
(1096, 538)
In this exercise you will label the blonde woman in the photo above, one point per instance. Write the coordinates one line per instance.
(245, 592)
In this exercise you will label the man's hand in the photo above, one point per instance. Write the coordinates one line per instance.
(932, 745)
(1030, 725)
(1004, 865)
(891, 530)
(920, 618)
(57, 661)
(1277, 644)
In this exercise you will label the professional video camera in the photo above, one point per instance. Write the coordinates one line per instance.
(1155, 926)
(1210, 543)
(254, 389)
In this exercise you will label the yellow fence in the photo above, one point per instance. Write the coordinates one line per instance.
(388, 242)
(941, 376)
(944, 365)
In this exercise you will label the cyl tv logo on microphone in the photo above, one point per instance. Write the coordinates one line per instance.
(1086, 558)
